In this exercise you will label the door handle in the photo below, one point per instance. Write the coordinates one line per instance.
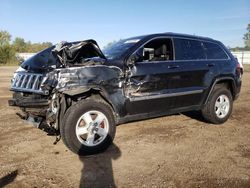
(210, 64)
(173, 66)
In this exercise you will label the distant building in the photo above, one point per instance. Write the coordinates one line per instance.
(242, 56)
(24, 56)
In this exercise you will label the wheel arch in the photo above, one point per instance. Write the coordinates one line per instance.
(90, 92)
(227, 82)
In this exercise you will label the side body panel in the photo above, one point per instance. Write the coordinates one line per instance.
(107, 79)
(160, 86)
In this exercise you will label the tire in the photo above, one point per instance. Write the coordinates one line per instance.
(219, 106)
(88, 127)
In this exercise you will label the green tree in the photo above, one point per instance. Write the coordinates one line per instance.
(36, 47)
(247, 37)
(7, 54)
(5, 38)
(19, 45)
(8, 50)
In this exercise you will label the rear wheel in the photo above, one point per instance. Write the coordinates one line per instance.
(88, 127)
(219, 107)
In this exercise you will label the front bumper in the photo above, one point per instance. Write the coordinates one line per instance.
(38, 103)
(28, 100)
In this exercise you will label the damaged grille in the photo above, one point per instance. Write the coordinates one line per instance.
(27, 82)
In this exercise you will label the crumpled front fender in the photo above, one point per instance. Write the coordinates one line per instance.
(81, 78)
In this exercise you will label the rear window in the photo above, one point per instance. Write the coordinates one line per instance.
(214, 51)
(188, 49)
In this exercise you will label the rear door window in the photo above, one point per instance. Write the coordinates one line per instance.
(186, 49)
(214, 51)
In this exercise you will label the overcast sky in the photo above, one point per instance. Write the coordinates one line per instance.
(105, 21)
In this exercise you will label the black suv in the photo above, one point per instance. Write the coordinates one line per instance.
(81, 93)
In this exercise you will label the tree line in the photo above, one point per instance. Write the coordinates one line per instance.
(9, 48)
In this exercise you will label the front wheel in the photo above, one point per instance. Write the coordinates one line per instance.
(219, 107)
(88, 127)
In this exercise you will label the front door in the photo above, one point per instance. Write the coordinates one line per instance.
(147, 87)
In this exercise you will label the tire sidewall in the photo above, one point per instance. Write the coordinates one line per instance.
(216, 94)
(70, 121)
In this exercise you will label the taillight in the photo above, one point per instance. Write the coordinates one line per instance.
(239, 70)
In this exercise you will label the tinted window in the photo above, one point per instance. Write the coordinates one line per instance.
(188, 49)
(214, 51)
(157, 50)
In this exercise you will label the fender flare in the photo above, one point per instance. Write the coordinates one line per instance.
(84, 90)
(219, 80)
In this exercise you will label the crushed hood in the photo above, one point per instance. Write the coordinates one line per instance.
(65, 54)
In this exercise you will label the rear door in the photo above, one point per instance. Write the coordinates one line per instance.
(196, 71)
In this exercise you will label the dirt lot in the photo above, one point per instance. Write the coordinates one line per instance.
(172, 151)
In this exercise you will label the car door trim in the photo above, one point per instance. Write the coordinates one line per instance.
(157, 96)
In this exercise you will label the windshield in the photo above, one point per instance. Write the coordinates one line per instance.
(115, 50)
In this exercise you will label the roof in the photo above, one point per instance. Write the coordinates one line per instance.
(173, 35)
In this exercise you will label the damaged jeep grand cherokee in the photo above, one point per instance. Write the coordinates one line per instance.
(76, 91)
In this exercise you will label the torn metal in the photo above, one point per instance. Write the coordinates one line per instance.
(68, 73)
(65, 54)
(77, 53)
